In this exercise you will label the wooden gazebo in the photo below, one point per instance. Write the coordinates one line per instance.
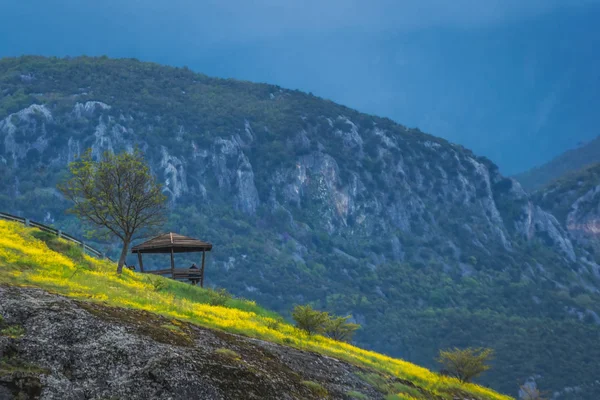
(171, 243)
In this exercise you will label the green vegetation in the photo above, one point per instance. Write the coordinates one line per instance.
(356, 395)
(309, 320)
(219, 297)
(390, 386)
(171, 327)
(26, 260)
(118, 195)
(338, 328)
(10, 365)
(157, 283)
(228, 353)
(465, 364)
(13, 331)
(320, 322)
(316, 388)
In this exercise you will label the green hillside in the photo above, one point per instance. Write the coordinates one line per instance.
(30, 257)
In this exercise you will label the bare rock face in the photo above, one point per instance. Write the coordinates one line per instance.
(583, 220)
(575, 201)
(76, 350)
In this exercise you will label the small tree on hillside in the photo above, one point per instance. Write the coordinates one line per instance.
(465, 364)
(338, 328)
(309, 320)
(117, 194)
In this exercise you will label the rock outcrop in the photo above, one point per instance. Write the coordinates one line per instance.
(71, 350)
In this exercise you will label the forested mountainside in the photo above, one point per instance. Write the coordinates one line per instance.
(575, 201)
(426, 244)
(570, 161)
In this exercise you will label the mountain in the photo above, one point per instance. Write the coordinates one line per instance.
(575, 200)
(71, 328)
(424, 243)
(570, 161)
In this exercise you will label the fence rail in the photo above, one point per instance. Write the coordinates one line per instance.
(25, 221)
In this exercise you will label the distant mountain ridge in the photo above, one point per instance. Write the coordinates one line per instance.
(424, 243)
(571, 160)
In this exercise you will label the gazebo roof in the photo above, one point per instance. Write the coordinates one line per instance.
(179, 244)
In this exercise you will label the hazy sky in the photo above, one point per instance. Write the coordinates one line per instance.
(515, 80)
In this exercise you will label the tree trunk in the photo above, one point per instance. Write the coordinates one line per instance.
(123, 256)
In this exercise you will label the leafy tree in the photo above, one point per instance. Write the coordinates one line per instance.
(338, 328)
(309, 320)
(117, 194)
(465, 364)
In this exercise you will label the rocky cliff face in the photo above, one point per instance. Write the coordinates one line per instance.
(575, 200)
(309, 201)
(342, 178)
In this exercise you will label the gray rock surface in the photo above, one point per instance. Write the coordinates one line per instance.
(78, 350)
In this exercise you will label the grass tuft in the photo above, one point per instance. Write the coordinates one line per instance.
(353, 394)
(316, 388)
(228, 353)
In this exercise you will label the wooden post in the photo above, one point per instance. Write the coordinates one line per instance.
(202, 269)
(172, 258)
(140, 261)
(172, 265)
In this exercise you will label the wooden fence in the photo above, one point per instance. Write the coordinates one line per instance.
(27, 222)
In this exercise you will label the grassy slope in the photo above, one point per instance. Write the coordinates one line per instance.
(28, 257)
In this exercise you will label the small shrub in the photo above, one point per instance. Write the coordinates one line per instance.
(13, 331)
(338, 328)
(228, 353)
(316, 388)
(219, 297)
(272, 323)
(43, 235)
(309, 320)
(356, 395)
(465, 364)
(157, 283)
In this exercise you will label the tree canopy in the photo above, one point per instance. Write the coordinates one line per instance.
(117, 195)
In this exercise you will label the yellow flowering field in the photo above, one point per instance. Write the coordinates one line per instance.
(28, 261)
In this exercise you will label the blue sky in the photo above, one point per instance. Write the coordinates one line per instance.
(517, 81)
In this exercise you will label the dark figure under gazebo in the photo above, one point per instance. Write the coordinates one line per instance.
(171, 243)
